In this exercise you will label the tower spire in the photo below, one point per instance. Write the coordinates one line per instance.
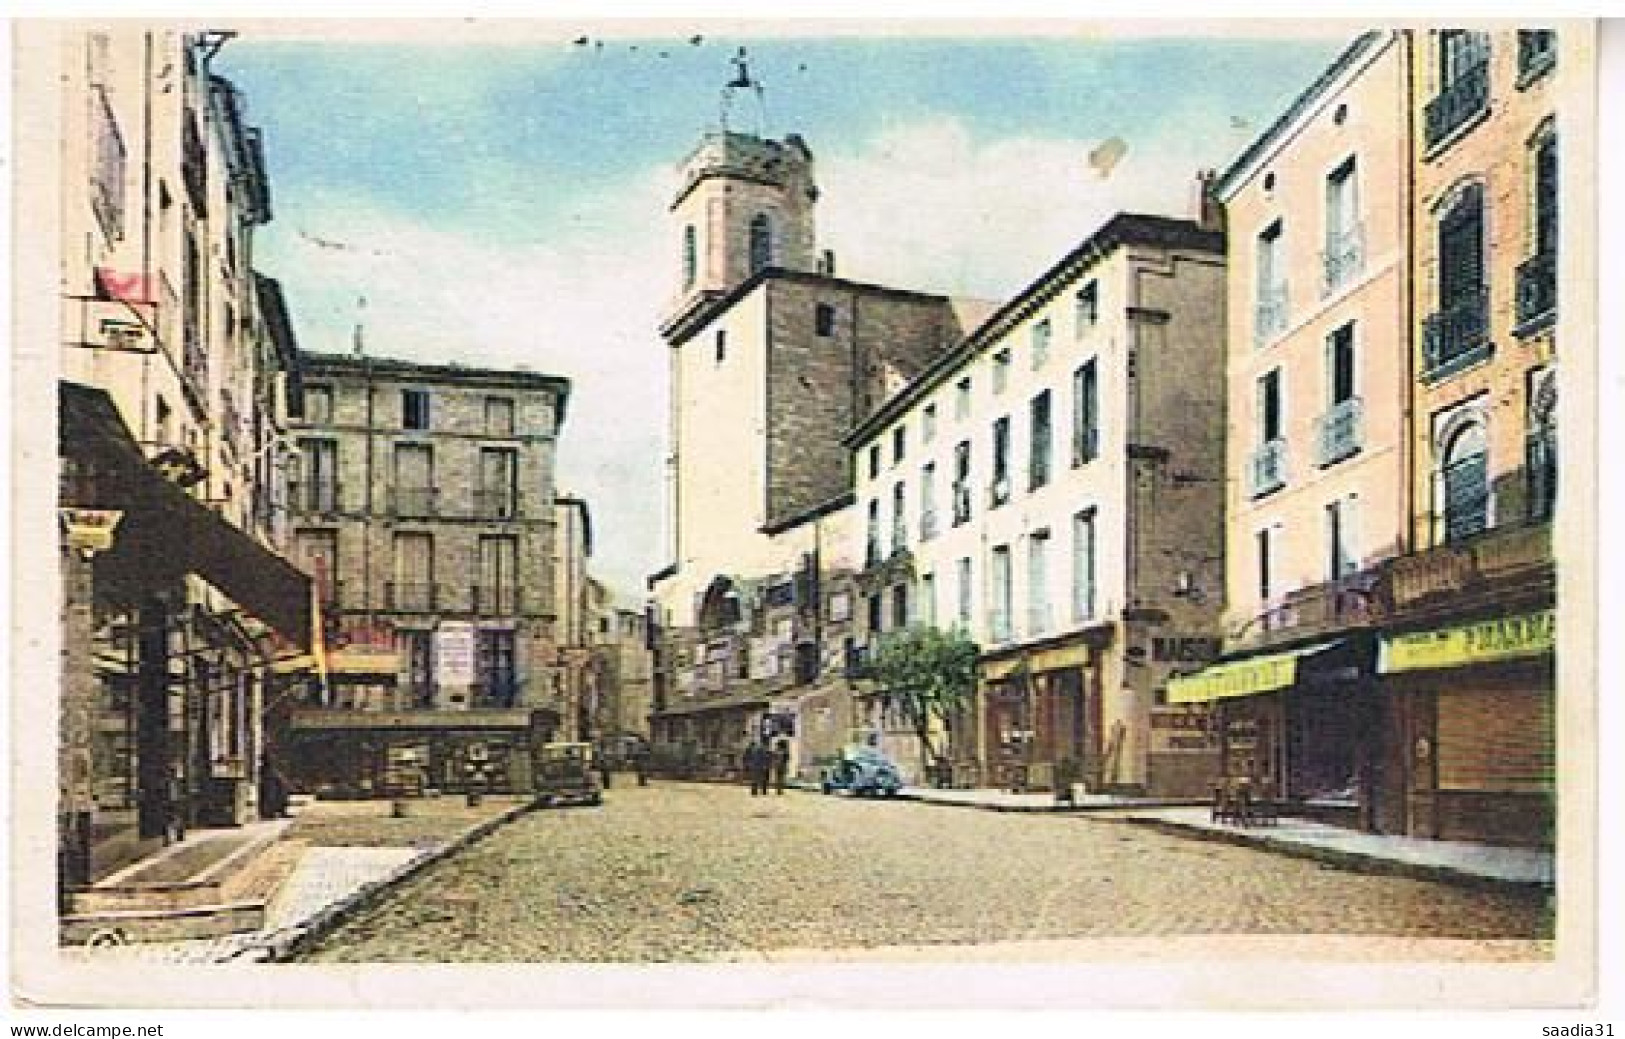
(744, 82)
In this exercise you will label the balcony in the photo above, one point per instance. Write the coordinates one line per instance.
(319, 497)
(998, 492)
(1343, 258)
(414, 501)
(1358, 600)
(1266, 470)
(1085, 446)
(961, 504)
(1457, 335)
(999, 627)
(928, 525)
(495, 600)
(1537, 54)
(1269, 313)
(1339, 432)
(501, 505)
(195, 360)
(410, 597)
(1458, 104)
(1537, 292)
(1040, 621)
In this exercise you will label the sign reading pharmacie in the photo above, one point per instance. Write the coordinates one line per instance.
(1484, 642)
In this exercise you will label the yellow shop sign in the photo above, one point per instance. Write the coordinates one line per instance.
(1505, 638)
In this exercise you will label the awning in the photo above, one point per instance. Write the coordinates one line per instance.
(1484, 642)
(167, 533)
(364, 662)
(1245, 677)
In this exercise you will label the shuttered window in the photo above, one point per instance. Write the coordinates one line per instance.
(1496, 740)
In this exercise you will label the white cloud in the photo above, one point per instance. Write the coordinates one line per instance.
(922, 206)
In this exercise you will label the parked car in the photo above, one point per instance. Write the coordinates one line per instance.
(862, 771)
(565, 774)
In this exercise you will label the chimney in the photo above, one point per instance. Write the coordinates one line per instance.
(1209, 213)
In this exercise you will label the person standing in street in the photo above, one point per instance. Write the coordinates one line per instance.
(781, 764)
(757, 759)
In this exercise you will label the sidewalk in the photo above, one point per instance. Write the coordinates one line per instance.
(1450, 861)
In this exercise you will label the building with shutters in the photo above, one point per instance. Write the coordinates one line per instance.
(1053, 487)
(422, 504)
(176, 355)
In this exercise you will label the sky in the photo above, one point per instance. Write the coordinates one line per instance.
(501, 198)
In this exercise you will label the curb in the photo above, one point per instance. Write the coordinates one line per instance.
(1050, 809)
(1353, 861)
(293, 941)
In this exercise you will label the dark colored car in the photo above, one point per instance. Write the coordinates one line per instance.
(862, 771)
(565, 774)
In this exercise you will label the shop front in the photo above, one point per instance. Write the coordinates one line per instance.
(1037, 732)
(1476, 705)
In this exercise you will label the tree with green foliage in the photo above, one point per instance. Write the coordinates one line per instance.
(929, 674)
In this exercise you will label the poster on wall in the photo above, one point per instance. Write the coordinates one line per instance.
(454, 653)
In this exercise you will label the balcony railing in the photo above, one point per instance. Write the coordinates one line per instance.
(928, 525)
(999, 626)
(414, 501)
(1457, 103)
(496, 504)
(410, 597)
(1085, 446)
(1339, 432)
(961, 504)
(319, 497)
(1269, 313)
(1537, 54)
(998, 492)
(492, 600)
(1266, 470)
(1040, 621)
(1343, 258)
(195, 359)
(1457, 334)
(1537, 291)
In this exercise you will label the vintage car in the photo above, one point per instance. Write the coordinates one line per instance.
(862, 771)
(565, 774)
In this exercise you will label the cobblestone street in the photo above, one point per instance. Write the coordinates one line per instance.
(679, 872)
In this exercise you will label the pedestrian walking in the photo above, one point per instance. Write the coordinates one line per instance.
(758, 759)
(640, 762)
(781, 764)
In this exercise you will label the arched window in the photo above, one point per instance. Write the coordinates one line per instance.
(690, 256)
(761, 242)
(1464, 480)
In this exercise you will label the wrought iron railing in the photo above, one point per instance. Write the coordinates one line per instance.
(1537, 289)
(1266, 470)
(1339, 432)
(1537, 53)
(320, 496)
(1343, 258)
(1269, 312)
(1457, 333)
(1457, 103)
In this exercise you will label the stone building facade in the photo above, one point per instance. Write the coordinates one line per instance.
(423, 507)
(176, 354)
(1053, 488)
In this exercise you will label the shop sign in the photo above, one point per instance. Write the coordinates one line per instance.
(1181, 729)
(1183, 648)
(454, 653)
(90, 530)
(1239, 678)
(1505, 638)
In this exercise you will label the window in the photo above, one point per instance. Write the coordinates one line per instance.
(316, 487)
(1086, 308)
(494, 667)
(1540, 463)
(1270, 313)
(416, 649)
(1039, 453)
(319, 405)
(876, 606)
(415, 409)
(824, 319)
(1083, 565)
(962, 399)
(761, 243)
(1001, 370)
(108, 174)
(1267, 471)
(999, 619)
(414, 480)
(962, 579)
(1454, 334)
(1338, 430)
(1537, 54)
(413, 586)
(874, 461)
(1269, 406)
(928, 424)
(962, 483)
(1463, 64)
(1537, 276)
(722, 345)
(928, 501)
(1339, 555)
(871, 552)
(1465, 480)
(1085, 414)
(1038, 619)
(899, 606)
(899, 518)
(1000, 487)
(1340, 364)
(898, 443)
(1344, 255)
(1545, 194)
(1264, 587)
(1041, 338)
(926, 601)
(498, 493)
(691, 256)
(499, 417)
(494, 594)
